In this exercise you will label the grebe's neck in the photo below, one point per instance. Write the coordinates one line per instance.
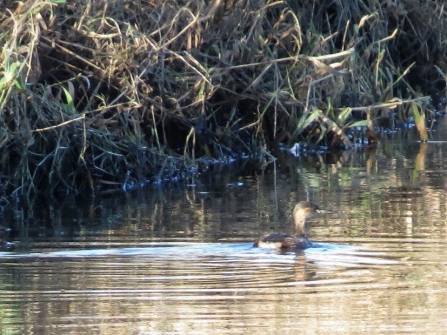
(300, 222)
(302, 211)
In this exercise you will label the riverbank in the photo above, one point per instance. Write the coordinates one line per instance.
(99, 95)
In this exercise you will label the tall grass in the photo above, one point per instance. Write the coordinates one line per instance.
(114, 94)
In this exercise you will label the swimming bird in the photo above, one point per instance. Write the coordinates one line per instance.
(299, 241)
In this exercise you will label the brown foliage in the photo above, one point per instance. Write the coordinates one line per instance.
(113, 94)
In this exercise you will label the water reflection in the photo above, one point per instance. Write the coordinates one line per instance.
(208, 287)
(180, 260)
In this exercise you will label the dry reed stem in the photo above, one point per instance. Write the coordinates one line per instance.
(162, 84)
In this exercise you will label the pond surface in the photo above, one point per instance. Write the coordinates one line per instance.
(179, 260)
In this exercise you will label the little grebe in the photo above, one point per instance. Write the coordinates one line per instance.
(302, 211)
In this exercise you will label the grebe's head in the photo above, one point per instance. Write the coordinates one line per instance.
(302, 211)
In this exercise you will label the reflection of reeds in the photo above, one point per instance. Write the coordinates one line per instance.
(112, 94)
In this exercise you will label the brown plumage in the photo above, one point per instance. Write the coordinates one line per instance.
(302, 211)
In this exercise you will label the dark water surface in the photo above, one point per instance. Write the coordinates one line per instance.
(178, 260)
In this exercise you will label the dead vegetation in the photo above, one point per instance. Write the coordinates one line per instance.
(113, 94)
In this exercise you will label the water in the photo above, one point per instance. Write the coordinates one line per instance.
(179, 260)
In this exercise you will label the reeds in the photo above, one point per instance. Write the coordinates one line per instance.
(115, 94)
